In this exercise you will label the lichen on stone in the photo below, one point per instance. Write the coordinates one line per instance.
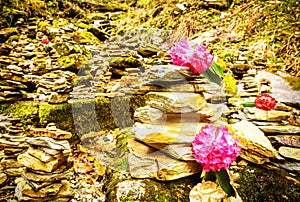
(294, 82)
(230, 84)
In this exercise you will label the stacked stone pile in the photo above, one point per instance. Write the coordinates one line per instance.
(13, 83)
(26, 60)
(12, 143)
(160, 78)
(54, 87)
(34, 166)
(47, 171)
(178, 104)
(175, 111)
(281, 125)
(121, 56)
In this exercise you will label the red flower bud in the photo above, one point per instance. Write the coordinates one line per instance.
(265, 102)
(45, 41)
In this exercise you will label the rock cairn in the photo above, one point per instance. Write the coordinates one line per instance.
(55, 86)
(32, 70)
(13, 83)
(12, 143)
(35, 167)
(173, 115)
(176, 109)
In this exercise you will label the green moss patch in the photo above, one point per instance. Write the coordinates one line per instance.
(27, 112)
(60, 114)
(258, 184)
(158, 191)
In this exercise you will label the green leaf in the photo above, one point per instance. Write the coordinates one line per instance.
(210, 176)
(211, 76)
(216, 69)
(248, 104)
(224, 182)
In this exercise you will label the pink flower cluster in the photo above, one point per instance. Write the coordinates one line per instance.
(214, 148)
(198, 60)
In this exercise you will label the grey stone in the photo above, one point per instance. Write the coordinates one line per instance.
(159, 166)
(287, 129)
(289, 152)
(49, 142)
(288, 140)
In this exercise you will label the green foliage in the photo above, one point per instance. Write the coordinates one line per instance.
(224, 181)
(129, 196)
(122, 139)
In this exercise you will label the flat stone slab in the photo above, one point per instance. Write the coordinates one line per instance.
(288, 129)
(290, 152)
(170, 133)
(287, 140)
(256, 146)
(161, 167)
(175, 102)
(264, 115)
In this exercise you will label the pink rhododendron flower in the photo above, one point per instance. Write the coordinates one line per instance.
(198, 60)
(265, 102)
(181, 52)
(214, 148)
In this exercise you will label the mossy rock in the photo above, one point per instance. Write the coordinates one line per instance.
(105, 113)
(158, 191)
(100, 34)
(72, 62)
(26, 111)
(259, 184)
(85, 37)
(124, 62)
(11, 39)
(148, 51)
(294, 82)
(38, 8)
(71, 48)
(60, 114)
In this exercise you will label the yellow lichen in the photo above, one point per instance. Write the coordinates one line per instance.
(230, 84)
(294, 82)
